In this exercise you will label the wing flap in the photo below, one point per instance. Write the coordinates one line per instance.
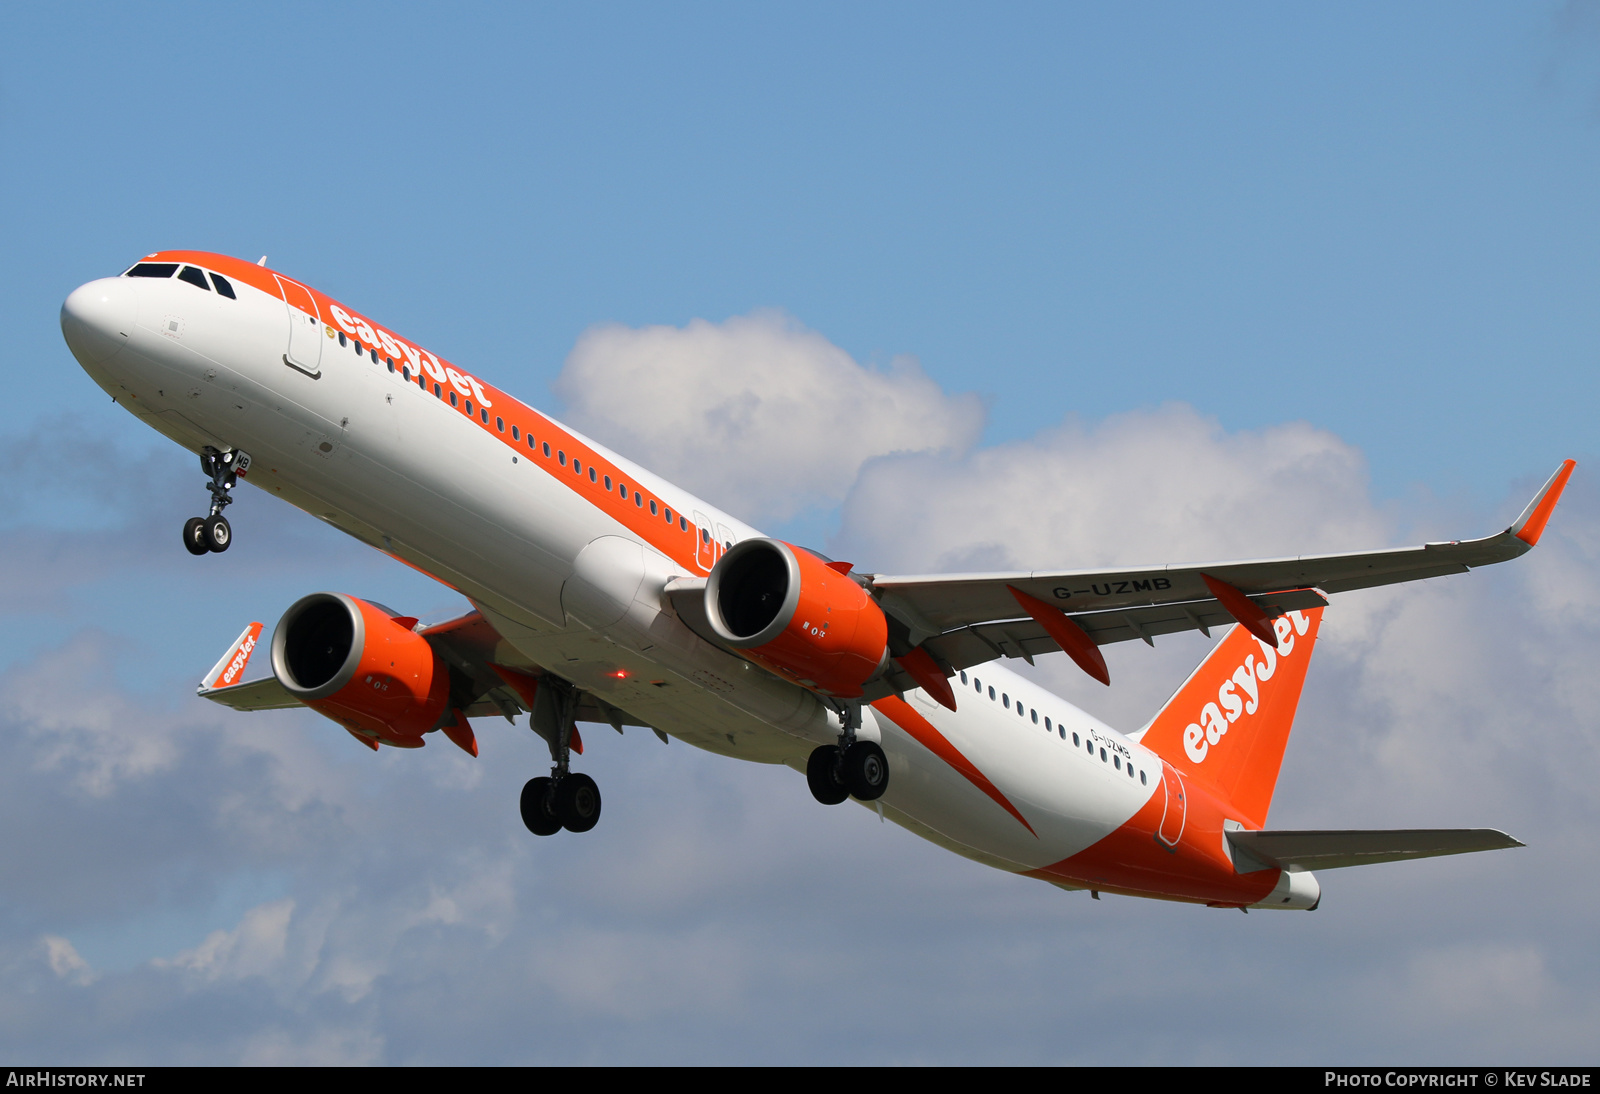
(1330, 850)
(1026, 638)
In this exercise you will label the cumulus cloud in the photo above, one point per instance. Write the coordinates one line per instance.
(756, 414)
(398, 912)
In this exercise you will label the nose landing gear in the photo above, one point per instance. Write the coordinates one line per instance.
(212, 533)
(850, 769)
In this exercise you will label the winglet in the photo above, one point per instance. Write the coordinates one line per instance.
(1530, 525)
(230, 669)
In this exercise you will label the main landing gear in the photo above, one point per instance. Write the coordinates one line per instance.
(564, 799)
(850, 769)
(212, 533)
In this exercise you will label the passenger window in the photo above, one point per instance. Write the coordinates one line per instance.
(405, 370)
(652, 507)
(453, 400)
(547, 450)
(223, 286)
(515, 435)
(469, 408)
(1102, 755)
(153, 269)
(1142, 779)
(561, 458)
(683, 523)
(638, 498)
(1047, 726)
(194, 277)
(963, 671)
(484, 414)
(343, 341)
(705, 537)
(374, 354)
(500, 424)
(991, 693)
(577, 467)
(1035, 715)
(436, 394)
(622, 488)
(1063, 731)
(668, 512)
(390, 362)
(1116, 762)
(1005, 700)
(1074, 740)
(591, 472)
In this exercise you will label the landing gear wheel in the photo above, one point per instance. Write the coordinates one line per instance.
(216, 533)
(866, 771)
(822, 775)
(577, 803)
(194, 535)
(536, 812)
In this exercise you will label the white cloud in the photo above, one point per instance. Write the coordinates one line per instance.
(256, 947)
(756, 414)
(65, 961)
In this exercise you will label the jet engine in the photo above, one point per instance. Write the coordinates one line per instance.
(363, 667)
(790, 611)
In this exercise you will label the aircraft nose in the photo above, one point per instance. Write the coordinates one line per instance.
(98, 317)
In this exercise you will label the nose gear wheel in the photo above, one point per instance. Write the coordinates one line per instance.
(212, 533)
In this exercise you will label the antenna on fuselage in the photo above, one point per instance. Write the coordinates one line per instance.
(262, 261)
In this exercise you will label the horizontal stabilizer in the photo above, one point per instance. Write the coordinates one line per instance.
(1329, 850)
(263, 694)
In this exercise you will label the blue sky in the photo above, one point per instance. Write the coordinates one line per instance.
(1344, 258)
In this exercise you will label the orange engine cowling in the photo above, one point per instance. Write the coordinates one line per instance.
(355, 663)
(788, 610)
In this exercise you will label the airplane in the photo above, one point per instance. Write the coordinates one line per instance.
(603, 594)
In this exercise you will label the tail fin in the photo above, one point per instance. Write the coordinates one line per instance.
(1228, 724)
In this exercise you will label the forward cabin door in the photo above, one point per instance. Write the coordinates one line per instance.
(305, 328)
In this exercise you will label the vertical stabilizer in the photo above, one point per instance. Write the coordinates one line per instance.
(1228, 724)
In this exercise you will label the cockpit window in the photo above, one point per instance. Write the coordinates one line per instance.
(153, 269)
(223, 286)
(195, 277)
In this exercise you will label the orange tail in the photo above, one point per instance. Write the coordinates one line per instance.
(1227, 726)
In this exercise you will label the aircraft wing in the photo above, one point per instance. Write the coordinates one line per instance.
(965, 619)
(1329, 850)
(488, 677)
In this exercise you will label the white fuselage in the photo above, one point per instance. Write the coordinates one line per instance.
(572, 586)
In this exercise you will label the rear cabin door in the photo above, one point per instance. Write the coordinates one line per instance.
(1177, 806)
(305, 328)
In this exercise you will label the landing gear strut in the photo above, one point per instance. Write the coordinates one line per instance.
(212, 533)
(851, 768)
(565, 799)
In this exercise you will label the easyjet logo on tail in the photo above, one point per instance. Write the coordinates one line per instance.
(1240, 694)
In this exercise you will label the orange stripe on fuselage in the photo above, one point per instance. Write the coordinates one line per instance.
(1133, 862)
(923, 732)
(673, 540)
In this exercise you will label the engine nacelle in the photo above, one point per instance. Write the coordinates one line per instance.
(351, 661)
(787, 610)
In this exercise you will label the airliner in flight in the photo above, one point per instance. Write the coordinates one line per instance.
(604, 595)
